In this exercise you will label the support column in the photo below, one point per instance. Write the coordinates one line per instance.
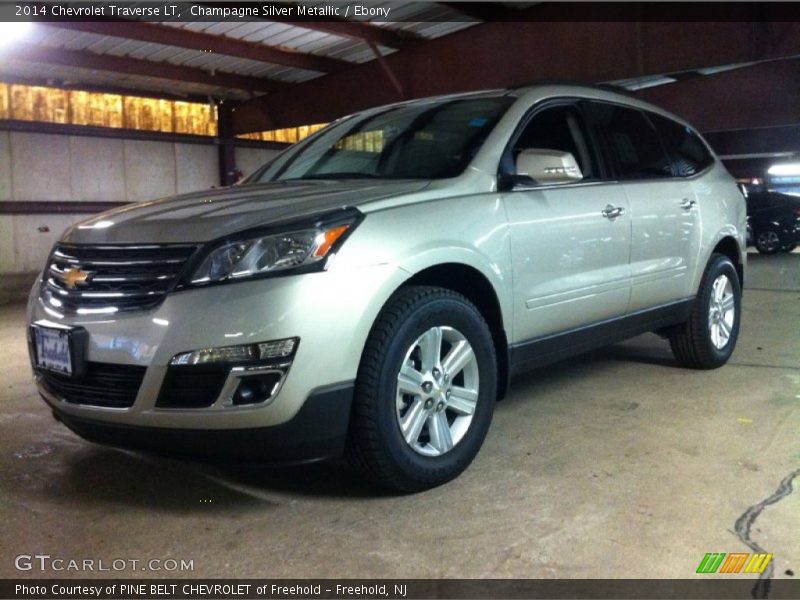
(226, 144)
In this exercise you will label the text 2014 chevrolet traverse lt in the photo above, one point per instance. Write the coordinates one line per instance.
(370, 291)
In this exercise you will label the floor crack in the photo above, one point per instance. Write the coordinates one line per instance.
(745, 522)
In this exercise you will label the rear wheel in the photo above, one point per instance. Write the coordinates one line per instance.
(707, 339)
(425, 390)
(768, 241)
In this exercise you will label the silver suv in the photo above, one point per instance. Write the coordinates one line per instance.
(371, 290)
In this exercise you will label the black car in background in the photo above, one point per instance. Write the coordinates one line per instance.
(773, 222)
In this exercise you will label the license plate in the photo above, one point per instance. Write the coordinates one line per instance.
(53, 349)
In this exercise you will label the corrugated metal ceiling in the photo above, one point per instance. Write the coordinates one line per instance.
(422, 20)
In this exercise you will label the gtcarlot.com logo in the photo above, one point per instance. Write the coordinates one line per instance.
(736, 562)
(46, 562)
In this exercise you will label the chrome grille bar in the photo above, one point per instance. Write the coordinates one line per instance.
(112, 277)
(114, 263)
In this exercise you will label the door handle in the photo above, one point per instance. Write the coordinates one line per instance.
(612, 212)
(687, 204)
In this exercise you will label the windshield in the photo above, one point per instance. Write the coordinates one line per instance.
(429, 140)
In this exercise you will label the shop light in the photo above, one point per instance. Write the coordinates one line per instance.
(785, 169)
(13, 31)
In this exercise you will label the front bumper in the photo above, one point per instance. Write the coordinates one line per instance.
(331, 314)
(317, 431)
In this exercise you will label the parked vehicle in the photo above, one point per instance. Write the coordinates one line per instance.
(370, 291)
(774, 221)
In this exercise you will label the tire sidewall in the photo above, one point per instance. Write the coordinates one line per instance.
(721, 266)
(466, 319)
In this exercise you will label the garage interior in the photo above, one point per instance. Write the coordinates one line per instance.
(616, 464)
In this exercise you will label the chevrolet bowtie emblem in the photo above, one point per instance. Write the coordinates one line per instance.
(75, 276)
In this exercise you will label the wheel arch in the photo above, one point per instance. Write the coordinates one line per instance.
(728, 246)
(478, 289)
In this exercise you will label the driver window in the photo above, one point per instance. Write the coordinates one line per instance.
(558, 128)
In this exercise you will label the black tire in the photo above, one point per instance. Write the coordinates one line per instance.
(768, 241)
(789, 248)
(376, 446)
(692, 342)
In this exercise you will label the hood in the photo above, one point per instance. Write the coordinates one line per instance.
(204, 216)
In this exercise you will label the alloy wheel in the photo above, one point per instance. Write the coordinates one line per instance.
(768, 241)
(721, 311)
(437, 391)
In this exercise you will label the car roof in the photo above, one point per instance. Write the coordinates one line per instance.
(545, 88)
(602, 92)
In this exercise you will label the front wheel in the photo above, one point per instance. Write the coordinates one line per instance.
(425, 390)
(707, 339)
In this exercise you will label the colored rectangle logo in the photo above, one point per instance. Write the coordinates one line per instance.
(734, 562)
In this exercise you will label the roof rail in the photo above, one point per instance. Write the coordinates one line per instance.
(551, 81)
(617, 89)
(606, 87)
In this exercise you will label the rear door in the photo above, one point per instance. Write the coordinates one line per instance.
(665, 232)
(570, 261)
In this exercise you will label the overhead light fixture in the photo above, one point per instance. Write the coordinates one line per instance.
(13, 31)
(784, 169)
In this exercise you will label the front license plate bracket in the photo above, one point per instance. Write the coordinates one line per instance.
(77, 339)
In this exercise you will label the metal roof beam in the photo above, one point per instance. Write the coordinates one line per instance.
(761, 95)
(204, 42)
(505, 54)
(482, 11)
(360, 31)
(135, 66)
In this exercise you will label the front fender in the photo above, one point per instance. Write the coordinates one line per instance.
(466, 230)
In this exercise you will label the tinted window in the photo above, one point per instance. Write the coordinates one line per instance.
(757, 202)
(557, 128)
(766, 201)
(631, 140)
(687, 152)
(423, 140)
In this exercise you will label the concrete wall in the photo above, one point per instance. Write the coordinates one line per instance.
(67, 168)
(250, 159)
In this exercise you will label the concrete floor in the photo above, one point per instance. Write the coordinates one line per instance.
(616, 464)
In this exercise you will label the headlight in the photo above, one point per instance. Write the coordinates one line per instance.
(301, 249)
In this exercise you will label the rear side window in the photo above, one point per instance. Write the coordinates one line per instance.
(686, 150)
(763, 201)
(631, 140)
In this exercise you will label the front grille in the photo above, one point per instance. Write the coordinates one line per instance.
(102, 384)
(102, 279)
(192, 386)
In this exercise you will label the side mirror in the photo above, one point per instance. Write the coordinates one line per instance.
(547, 167)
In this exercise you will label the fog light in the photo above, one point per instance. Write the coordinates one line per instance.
(256, 388)
(245, 353)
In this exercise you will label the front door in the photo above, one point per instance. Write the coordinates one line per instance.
(570, 243)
